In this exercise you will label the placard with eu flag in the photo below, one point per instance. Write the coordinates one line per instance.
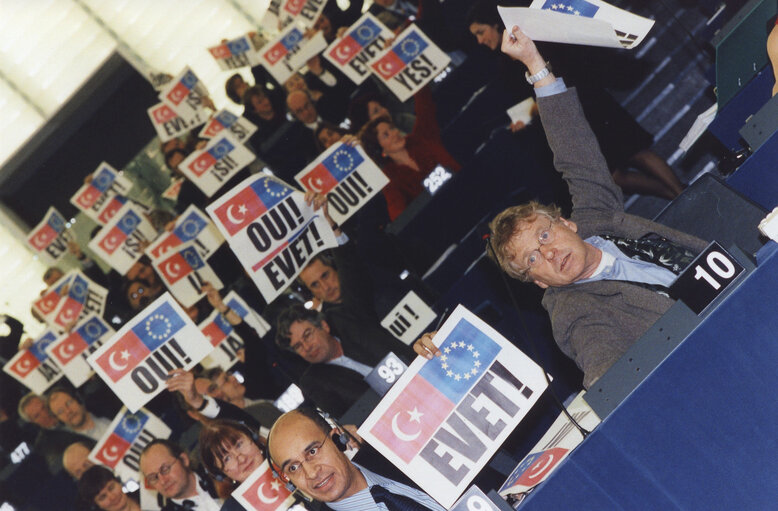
(135, 362)
(212, 166)
(82, 297)
(33, 367)
(347, 176)
(50, 236)
(120, 447)
(71, 350)
(272, 230)
(120, 242)
(235, 53)
(184, 95)
(184, 272)
(191, 225)
(238, 126)
(226, 342)
(289, 51)
(47, 303)
(410, 63)
(445, 417)
(361, 43)
(103, 195)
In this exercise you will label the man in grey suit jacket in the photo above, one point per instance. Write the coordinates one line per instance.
(600, 300)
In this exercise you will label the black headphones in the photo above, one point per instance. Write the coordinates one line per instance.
(340, 439)
(243, 428)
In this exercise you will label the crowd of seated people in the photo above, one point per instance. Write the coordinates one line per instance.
(328, 345)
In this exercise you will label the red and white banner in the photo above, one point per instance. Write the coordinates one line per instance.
(192, 225)
(261, 491)
(169, 125)
(72, 349)
(120, 447)
(184, 94)
(135, 362)
(119, 243)
(347, 176)
(184, 272)
(82, 298)
(359, 46)
(32, 367)
(50, 235)
(211, 167)
(445, 417)
(272, 231)
(289, 51)
(410, 63)
(239, 127)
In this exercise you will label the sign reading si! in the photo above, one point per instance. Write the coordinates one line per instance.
(707, 277)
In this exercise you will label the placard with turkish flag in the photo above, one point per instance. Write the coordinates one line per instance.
(71, 350)
(82, 298)
(103, 195)
(192, 225)
(238, 126)
(135, 362)
(120, 242)
(184, 94)
(47, 303)
(347, 176)
(289, 51)
(272, 230)
(168, 124)
(225, 341)
(445, 417)
(412, 61)
(249, 315)
(184, 272)
(211, 167)
(50, 236)
(120, 447)
(261, 491)
(362, 42)
(305, 12)
(235, 53)
(32, 367)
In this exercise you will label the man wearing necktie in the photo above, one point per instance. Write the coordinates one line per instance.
(304, 453)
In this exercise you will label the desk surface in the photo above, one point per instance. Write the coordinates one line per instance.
(701, 432)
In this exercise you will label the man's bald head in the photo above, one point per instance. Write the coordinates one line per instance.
(302, 107)
(75, 460)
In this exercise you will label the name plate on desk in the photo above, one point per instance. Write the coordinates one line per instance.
(706, 278)
(383, 376)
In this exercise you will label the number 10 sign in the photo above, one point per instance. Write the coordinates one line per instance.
(706, 278)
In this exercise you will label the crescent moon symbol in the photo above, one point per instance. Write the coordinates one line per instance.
(172, 269)
(200, 165)
(263, 497)
(114, 365)
(111, 457)
(405, 437)
(111, 243)
(66, 316)
(47, 305)
(340, 55)
(316, 189)
(385, 68)
(40, 240)
(232, 218)
(23, 365)
(541, 468)
(66, 350)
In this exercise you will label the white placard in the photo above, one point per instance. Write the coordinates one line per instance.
(32, 367)
(560, 439)
(410, 63)
(224, 340)
(289, 51)
(82, 298)
(119, 242)
(304, 12)
(271, 230)
(192, 225)
(445, 417)
(134, 363)
(103, 195)
(589, 22)
(347, 176)
(211, 167)
(120, 447)
(409, 318)
(184, 94)
(72, 349)
(235, 53)
(248, 314)
(239, 127)
(169, 125)
(362, 42)
(49, 299)
(50, 235)
(184, 272)
(261, 491)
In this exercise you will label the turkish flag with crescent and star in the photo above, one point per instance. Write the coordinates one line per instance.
(47, 232)
(400, 55)
(70, 350)
(261, 491)
(184, 271)
(134, 362)
(33, 367)
(47, 303)
(355, 39)
(250, 202)
(127, 431)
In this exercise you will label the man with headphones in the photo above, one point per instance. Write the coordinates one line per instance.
(307, 452)
(166, 468)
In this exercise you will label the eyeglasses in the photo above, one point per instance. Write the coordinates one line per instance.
(164, 470)
(242, 446)
(544, 237)
(302, 343)
(308, 456)
(137, 294)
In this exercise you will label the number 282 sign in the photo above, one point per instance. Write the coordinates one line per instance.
(706, 278)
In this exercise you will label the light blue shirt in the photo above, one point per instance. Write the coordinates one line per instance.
(363, 501)
(616, 265)
(556, 87)
(352, 364)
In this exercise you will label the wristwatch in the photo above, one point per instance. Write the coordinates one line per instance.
(531, 79)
